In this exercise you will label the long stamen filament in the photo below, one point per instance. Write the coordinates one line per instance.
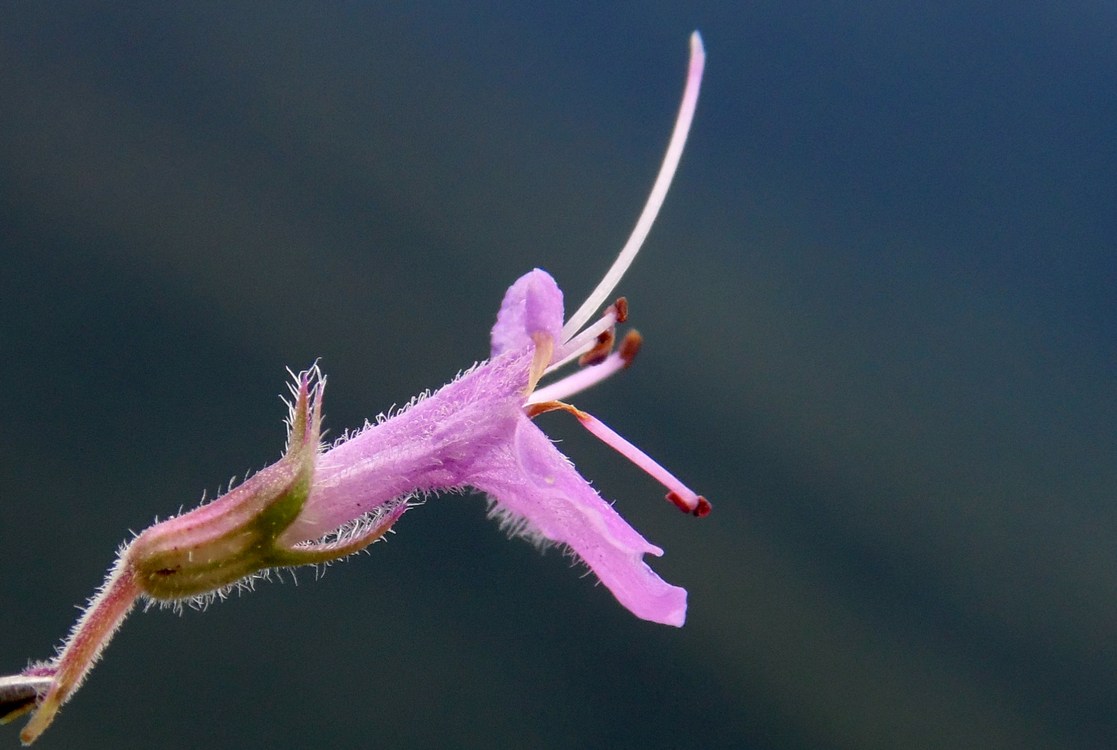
(655, 198)
(684, 498)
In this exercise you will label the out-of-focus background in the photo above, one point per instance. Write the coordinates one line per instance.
(881, 336)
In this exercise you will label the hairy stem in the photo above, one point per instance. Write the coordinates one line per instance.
(86, 642)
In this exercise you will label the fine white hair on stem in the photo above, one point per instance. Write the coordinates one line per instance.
(655, 198)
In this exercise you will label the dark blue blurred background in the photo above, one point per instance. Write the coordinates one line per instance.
(881, 336)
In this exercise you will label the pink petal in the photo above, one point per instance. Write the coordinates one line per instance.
(533, 304)
(530, 481)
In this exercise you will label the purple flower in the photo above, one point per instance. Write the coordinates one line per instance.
(316, 505)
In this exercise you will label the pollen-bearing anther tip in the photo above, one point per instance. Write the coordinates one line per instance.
(699, 507)
(620, 309)
(600, 350)
(630, 347)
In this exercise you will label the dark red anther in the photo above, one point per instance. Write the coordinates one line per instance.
(600, 350)
(630, 347)
(677, 500)
(620, 307)
(701, 510)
